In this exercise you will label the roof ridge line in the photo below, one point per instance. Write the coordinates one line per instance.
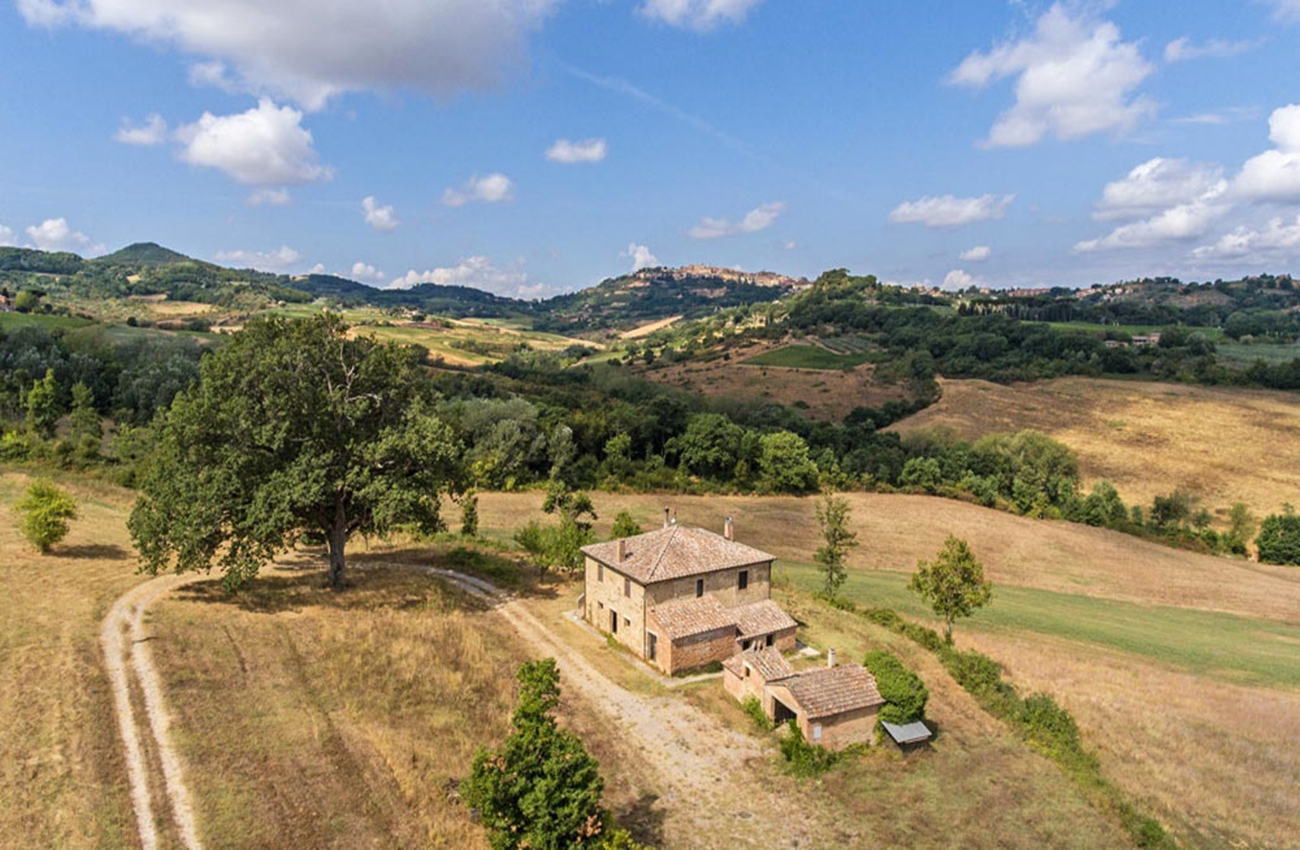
(654, 568)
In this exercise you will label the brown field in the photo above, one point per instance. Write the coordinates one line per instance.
(648, 328)
(62, 776)
(828, 394)
(1225, 445)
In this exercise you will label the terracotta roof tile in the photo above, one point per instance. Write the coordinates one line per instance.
(675, 552)
(686, 617)
(761, 618)
(825, 691)
(768, 663)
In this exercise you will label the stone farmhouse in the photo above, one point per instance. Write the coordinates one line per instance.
(681, 598)
(834, 706)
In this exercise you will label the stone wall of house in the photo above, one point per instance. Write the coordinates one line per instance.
(841, 730)
(609, 592)
(696, 651)
(723, 584)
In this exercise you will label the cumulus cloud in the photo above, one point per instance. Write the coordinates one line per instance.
(1074, 77)
(6, 236)
(152, 132)
(757, 219)
(1277, 241)
(574, 153)
(949, 211)
(491, 189)
(54, 234)
(366, 272)
(380, 218)
(307, 51)
(1275, 174)
(276, 197)
(978, 254)
(268, 261)
(956, 279)
(699, 15)
(478, 272)
(1156, 185)
(267, 145)
(642, 257)
(1184, 49)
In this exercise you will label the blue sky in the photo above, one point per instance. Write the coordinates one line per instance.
(536, 146)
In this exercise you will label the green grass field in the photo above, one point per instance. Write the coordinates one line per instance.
(10, 321)
(1226, 646)
(1235, 352)
(809, 357)
(1214, 334)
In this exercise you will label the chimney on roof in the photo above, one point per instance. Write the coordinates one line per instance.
(729, 529)
(830, 657)
(622, 549)
(674, 516)
(666, 512)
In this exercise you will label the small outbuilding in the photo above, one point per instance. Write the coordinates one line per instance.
(907, 735)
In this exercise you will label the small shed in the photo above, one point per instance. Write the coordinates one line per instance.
(907, 735)
(833, 706)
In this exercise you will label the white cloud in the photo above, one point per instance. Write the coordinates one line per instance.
(1183, 221)
(1074, 77)
(699, 15)
(276, 197)
(266, 145)
(366, 272)
(1184, 49)
(6, 236)
(956, 279)
(1286, 10)
(572, 153)
(152, 132)
(212, 75)
(308, 51)
(380, 218)
(978, 254)
(1275, 174)
(757, 219)
(642, 257)
(1157, 185)
(54, 234)
(319, 268)
(478, 272)
(1277, 241)
(491, 189)
(268, 261)
(949, 211)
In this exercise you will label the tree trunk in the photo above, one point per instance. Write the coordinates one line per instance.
(337, 540)
(947, 631)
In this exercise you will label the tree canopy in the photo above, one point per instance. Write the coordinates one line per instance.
(293, 427)
(45, 510)
(953, 583)
(833, 517)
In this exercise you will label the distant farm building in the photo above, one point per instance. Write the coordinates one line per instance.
(682, 598)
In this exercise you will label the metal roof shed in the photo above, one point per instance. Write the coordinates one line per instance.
(907, 733)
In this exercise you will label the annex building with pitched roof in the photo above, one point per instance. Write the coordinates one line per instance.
(681, 598)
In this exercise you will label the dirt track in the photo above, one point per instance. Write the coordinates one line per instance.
(130, 668)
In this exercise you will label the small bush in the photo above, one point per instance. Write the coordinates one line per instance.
(804, 759)
(45, 510)
(886, 617)
(752, 707)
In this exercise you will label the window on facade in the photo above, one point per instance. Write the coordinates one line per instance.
(654, 646)
(817, 732)
(771, 640)
(699, 587)
(600, 605)
(627, 587)
(600, 572)
(627, 622)
(743, 581)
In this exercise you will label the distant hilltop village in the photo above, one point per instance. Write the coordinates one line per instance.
(651, 275)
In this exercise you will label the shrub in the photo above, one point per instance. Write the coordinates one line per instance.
(1279, 538)
(45, 510)
(1053, 730)
(469, 515)
(904, 692)
(805, 759)
(752, 707)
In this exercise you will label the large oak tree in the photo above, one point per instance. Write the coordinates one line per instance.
(294, 427)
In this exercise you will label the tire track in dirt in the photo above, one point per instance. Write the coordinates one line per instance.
(129, 663)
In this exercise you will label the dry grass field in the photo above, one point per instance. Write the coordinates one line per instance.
(62, 778)
(642, 331)
(820, 393)
(1182, 669)
(1225, 445)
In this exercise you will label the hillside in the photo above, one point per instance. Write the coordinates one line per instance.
(143, 254)
(659, 293)
(1225, 445)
